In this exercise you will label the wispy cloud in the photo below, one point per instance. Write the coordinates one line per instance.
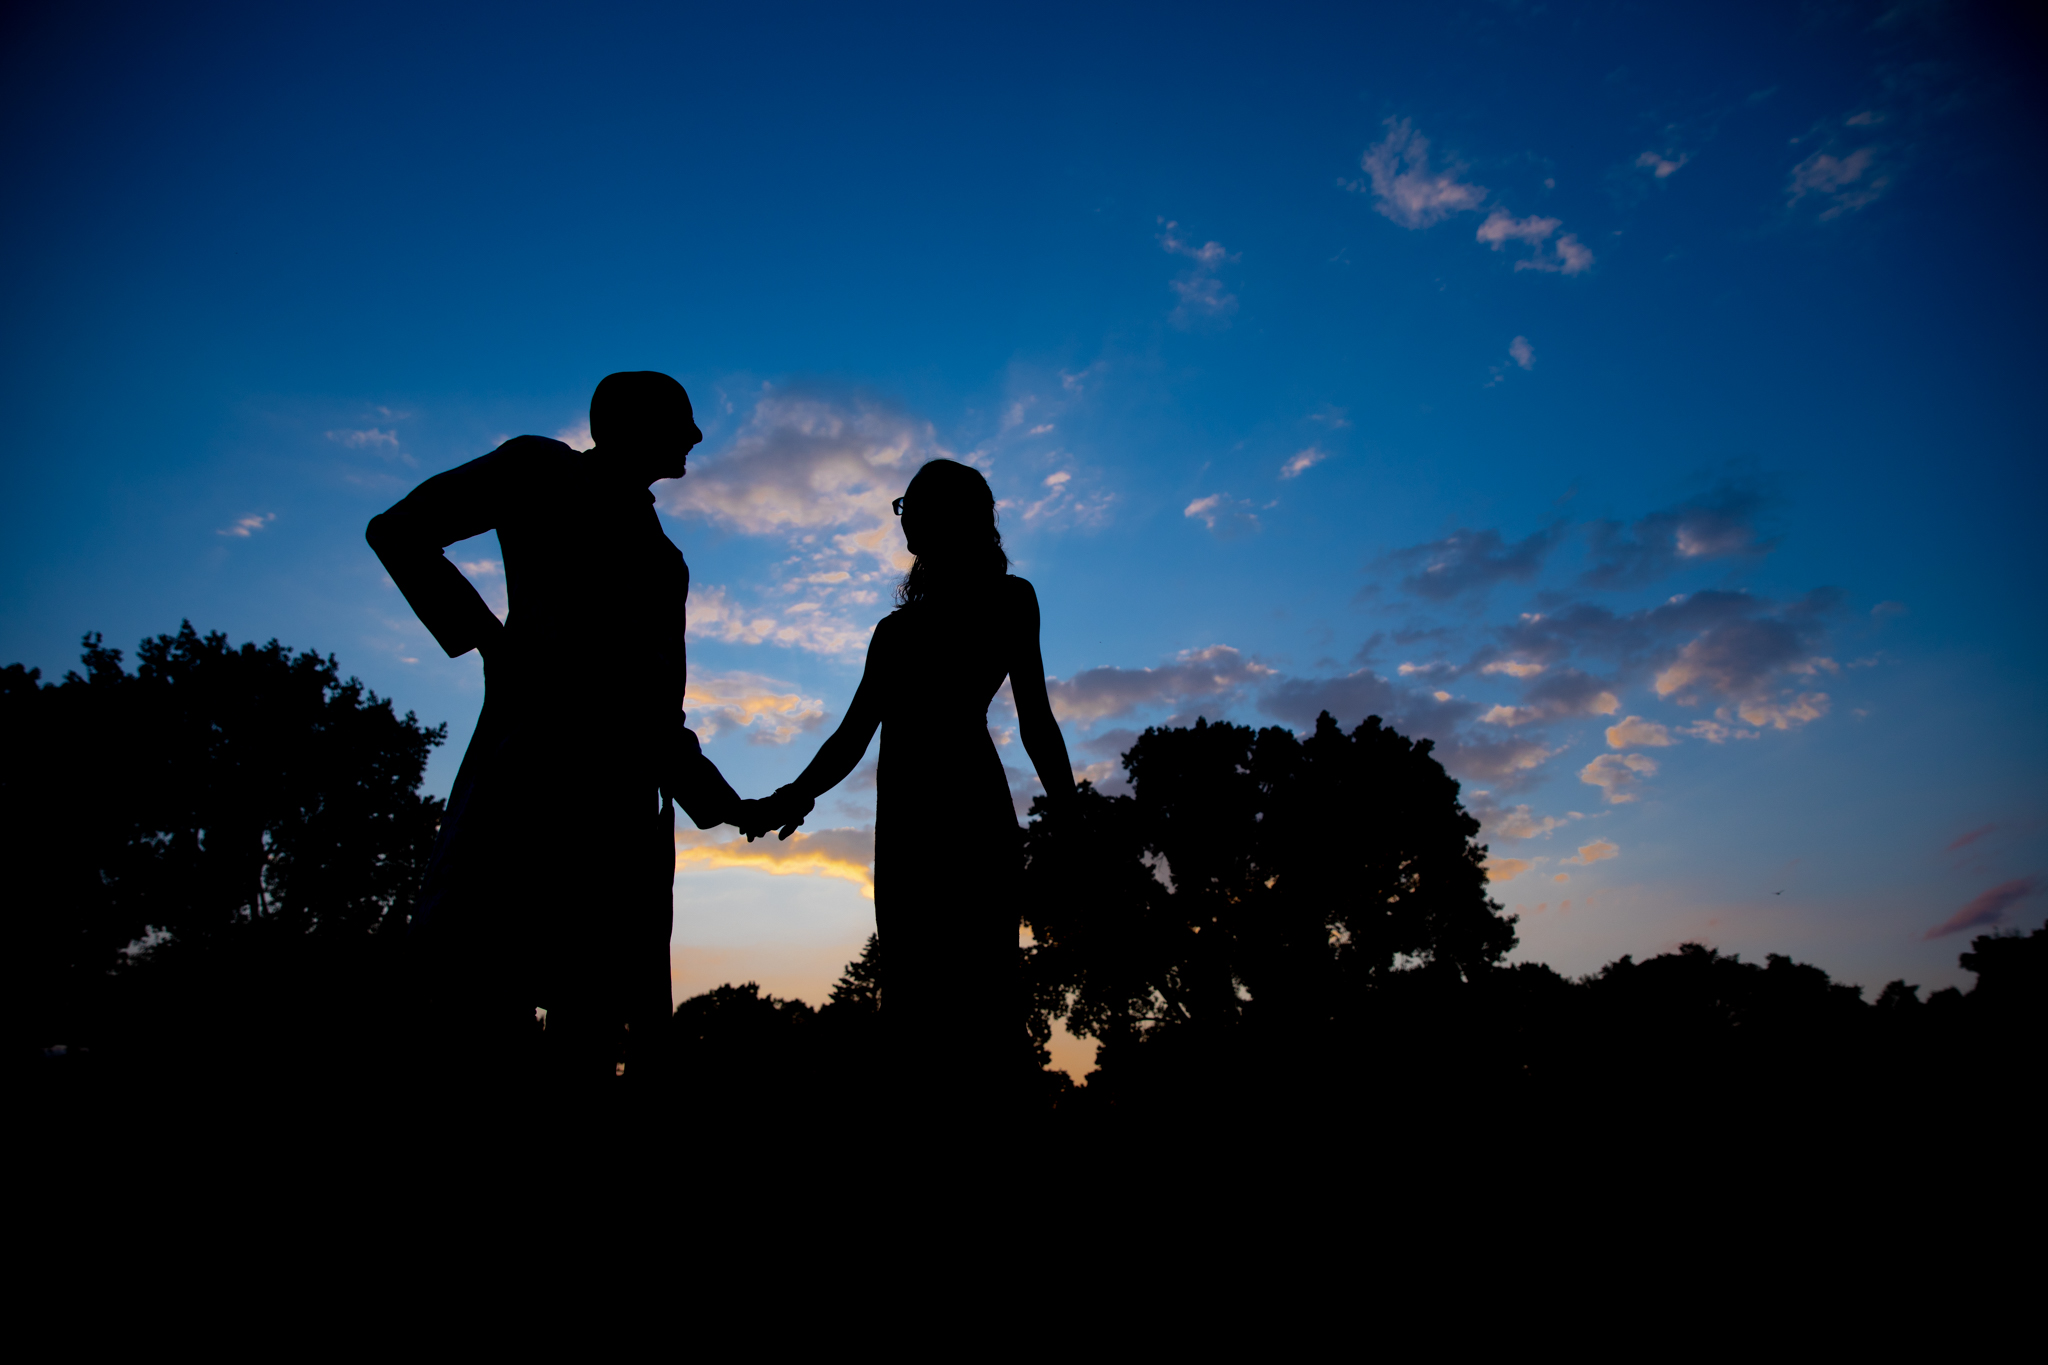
(1226, 516)
(1217, 674)
(1303, 460)
(814, 471)
(1598, 851)
(1513, 822)
(817, 473)
(1408, 189)
(375, 441)
(368, 439)
(1986, 909)
(245, 527)
(1502, 227)
(1565, 256)
(1202, 296)
(1521, 353)
(1749, 657)
(1734, 659)
(1717, 732)
(805, 625)
(1782, 714)
(1472, 561)
(1844, 184)
(1719, 524)
(1662, 165)
(1509, 762)
(1557, 696)
(1060, 498)
(577, 436)
(1965, 840)
(1618, 775)
(770, 712)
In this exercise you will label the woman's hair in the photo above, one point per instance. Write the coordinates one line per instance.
(956, 525)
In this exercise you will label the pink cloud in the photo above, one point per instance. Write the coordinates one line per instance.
(1841, 181)
(1409, 190)
(1569, 256)
(1986, 909)
(1307, 459)
(1965, 840)
(1202, 295)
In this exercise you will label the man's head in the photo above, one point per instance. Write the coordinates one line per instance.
(643, 417)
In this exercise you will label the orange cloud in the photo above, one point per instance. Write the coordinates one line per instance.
(750, 701)
(1636, 733)
(1617, 774)
(1506, 869)
(1784, 715)
(848, 854)
(1597, 851)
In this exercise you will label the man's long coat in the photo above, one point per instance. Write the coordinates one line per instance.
(556, 856)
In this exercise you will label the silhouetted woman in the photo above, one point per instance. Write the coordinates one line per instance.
(947, 850)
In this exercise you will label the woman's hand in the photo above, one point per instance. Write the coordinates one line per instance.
(785, 809)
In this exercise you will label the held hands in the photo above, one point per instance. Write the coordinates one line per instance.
(785, 810)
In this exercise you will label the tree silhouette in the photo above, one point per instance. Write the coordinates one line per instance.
(858, 991)
(211, 823)
(1306, 875)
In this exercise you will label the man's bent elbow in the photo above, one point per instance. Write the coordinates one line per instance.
(383, 533)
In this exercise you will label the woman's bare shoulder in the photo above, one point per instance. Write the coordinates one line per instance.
(1020, 603)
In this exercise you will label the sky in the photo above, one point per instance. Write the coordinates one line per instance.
(1632, 399)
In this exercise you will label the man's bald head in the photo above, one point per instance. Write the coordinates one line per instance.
(644, 416)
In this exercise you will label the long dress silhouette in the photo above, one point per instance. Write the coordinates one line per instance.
(948, 856)
(550, 883)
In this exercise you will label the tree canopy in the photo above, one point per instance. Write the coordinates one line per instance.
(1255, 884)
(215, 798)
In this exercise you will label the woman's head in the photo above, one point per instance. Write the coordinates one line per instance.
(949, 523)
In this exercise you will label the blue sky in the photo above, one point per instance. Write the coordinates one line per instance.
(1633, 400)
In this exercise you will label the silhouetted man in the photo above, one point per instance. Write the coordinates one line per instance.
(550, 883)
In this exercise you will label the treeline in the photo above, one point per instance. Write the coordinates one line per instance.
(1285, 924)
(215, 855)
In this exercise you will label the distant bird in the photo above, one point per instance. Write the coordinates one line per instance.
(1777, 893)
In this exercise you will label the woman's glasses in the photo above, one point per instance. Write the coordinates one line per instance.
(897, 507)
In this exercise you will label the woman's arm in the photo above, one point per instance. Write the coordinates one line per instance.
(835, 758)
(1035, 723)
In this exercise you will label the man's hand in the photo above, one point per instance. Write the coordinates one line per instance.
(498, 651)
(785, 810)
(752, 821)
